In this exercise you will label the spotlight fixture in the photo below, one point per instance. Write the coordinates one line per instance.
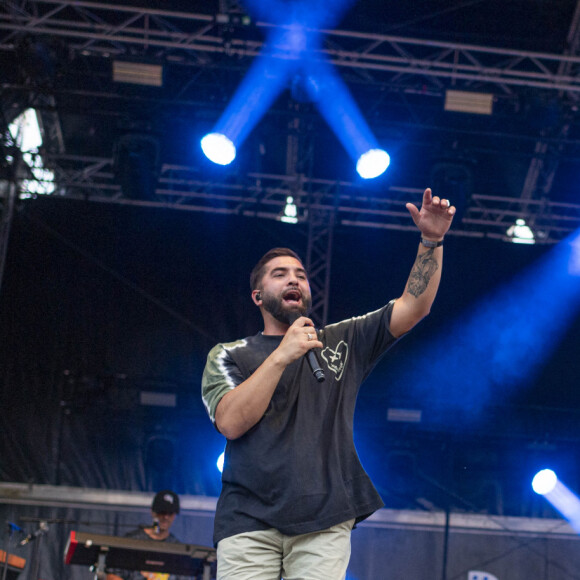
(290, 212)
(521, 233)
(220, 461)
(544, 481)
(138, 73)
(547, 484)
(218, 148)
(233, 19)
(136, 164)
(469, 102)
(292, 58)
(25, 130)
(372, 163)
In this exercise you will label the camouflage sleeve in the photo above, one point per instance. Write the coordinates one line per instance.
(220, 375)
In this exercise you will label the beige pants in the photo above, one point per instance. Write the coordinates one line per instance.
(270, 555)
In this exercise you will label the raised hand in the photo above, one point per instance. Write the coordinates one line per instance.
(435, 216)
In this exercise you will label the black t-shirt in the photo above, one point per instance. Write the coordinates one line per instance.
(297, 469)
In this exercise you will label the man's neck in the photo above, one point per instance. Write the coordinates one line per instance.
(273, 327)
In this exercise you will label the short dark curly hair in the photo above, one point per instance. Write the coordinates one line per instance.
(258, 271)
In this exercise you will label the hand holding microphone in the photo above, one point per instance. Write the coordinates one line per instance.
(310, 355)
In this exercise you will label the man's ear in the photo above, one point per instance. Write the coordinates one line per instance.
(257, 297)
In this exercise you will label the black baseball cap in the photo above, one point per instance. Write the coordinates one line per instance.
(165, 502)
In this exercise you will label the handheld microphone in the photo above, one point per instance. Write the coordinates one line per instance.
(315, 366)
(311, 356)
(156, 527)
(42, 528)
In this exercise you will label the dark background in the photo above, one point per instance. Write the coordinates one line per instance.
(101, 302)
(104, 298)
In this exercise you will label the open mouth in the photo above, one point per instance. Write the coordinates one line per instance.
(293, 296)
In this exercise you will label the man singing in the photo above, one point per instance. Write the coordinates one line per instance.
(292, 484)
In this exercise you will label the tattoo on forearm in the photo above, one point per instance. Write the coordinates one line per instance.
(423, 269)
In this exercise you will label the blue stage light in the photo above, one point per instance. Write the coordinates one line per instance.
(337, 106)
(372, 163)
(220, 462)
(488, 354)
(544, 481)
(556, 493)
(293, 56)
(218, 148)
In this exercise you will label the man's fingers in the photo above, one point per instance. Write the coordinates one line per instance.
(412, 210)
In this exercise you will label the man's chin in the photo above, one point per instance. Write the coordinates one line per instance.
(283, 312)
(289, 313)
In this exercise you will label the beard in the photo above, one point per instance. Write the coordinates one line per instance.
(282, 313)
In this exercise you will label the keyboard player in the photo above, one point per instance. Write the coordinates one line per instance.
(164, 510)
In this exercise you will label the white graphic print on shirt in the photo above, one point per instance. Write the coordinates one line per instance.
(336, 359)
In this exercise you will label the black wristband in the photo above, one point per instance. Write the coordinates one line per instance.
(430, 244)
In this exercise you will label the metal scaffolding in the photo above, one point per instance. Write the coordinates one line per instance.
(198, 40)
(210, 43)
(263, 195)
